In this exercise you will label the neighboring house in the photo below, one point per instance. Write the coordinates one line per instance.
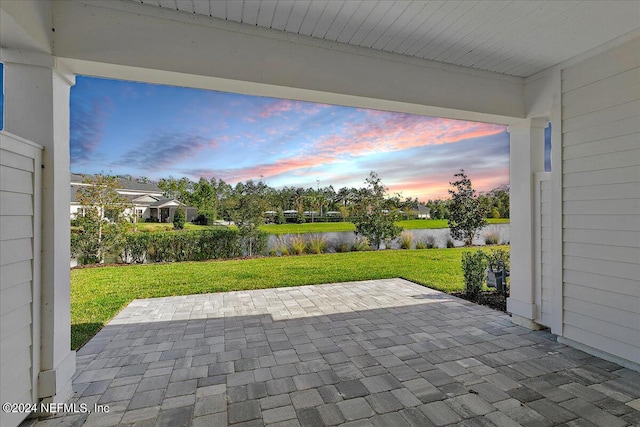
(423, 212)
(147, 201)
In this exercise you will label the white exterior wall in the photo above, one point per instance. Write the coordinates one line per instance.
(36, 108)
(601, 201)
(20, 172)
(543, 254)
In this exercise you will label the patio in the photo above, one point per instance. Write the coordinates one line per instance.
(383, 353)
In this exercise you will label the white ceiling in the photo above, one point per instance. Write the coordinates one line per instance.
(518, 38)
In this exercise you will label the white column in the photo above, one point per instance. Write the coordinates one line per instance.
(36, 107)
(526, 158)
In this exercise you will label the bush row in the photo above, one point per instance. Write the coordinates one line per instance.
(197, 245)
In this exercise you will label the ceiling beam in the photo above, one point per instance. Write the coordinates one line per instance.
(116, 39)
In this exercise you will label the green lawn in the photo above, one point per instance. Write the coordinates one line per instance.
(308, 227)
(98, 294)
(163, 226)
(326, 227)
(420, 224)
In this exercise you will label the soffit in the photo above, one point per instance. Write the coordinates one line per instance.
(518, 38)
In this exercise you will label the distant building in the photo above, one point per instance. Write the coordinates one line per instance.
(423, 212)
(147, 200)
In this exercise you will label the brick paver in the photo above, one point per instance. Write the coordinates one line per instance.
(382, 352)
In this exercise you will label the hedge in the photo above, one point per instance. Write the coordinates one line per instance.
(195, 245)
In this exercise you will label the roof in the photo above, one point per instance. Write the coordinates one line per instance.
(158, 203)
(124, 184)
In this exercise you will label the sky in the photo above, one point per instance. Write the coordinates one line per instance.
(156, 131)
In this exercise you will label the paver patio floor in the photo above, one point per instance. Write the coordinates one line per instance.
(382, 353)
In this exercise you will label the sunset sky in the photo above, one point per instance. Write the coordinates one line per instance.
(156, 131)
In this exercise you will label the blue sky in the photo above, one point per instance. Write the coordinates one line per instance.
(140, 129)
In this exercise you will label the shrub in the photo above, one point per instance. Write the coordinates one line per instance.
(205, 218)
(361, 244)
(431, 242)
(178, 219)
(221, 243)
(421, 245)
(317, 244)
(450, 243)
(297, 245)
(343, 247)
(135, 248)
(406, 240)
(280, 219)
(184, 246)
(497, 256)
(255, 244)
(491, 238)
(474, 265)
(158, 247)
(281, 245)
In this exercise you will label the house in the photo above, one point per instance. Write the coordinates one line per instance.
(527, 65)
(423, 212)
(146, 200)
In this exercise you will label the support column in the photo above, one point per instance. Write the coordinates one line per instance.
(526, 158)
(36, 106)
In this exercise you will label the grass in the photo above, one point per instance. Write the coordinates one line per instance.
(163, 226)
(308, 227)
(327, 227)
(98, 294)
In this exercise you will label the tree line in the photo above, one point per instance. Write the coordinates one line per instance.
(215, 199)
(372, 209)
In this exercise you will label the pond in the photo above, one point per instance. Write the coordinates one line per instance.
(438, 236)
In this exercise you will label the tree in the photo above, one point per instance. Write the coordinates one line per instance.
(204, 198)
(373, 220)
(249, 211)
(466, 213)
(439, 209)
(178, 219)
(101, 227)
(176, 188)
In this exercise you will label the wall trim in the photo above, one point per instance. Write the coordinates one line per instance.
(599, 353)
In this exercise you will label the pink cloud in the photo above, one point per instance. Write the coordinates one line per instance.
(380, 132)
(280, 106)
(397, 132)
(435, 186)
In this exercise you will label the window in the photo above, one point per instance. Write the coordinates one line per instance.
(547, 148)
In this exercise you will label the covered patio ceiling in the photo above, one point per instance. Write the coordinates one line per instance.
(421, 57)
(516, 38)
